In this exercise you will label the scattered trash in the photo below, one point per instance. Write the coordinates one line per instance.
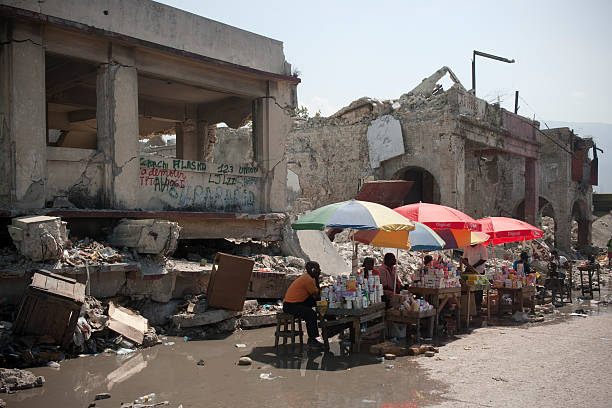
(267, 376)
(579, 314)
(200, 363)
(240, 345)
(429, 354)
(380, 359)
(520, 317)
(388, 367)
(452, 358)
(53, 364)
(186, 338)
(499, 379)
(245, 361)
(123, 351)
(390, 356)
(101, 396)
(367, 401)
(168, 343)
(467, 348)
(145, 398)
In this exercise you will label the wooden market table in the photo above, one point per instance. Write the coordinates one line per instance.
(409, 317)
(469, 290)
(438, 297)
(336, 320)
(590, 270)
(517, 295)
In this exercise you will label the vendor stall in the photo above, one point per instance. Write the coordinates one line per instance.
(362, 322)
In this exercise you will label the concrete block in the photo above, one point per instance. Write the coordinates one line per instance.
(184, 320)
(250, 306)
(39, 238)
(158, 289)
(257, 320)
(147, 236)
(384, 139)
(269, 285)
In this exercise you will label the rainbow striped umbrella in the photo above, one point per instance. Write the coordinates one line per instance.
(422, 238)
(354, 214)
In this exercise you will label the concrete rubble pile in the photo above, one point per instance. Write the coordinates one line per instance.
(39, 238)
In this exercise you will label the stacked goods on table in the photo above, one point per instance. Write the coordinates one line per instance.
(475, 280)
(438, 274)
(405, 301)
(353, 292)
(509, 278)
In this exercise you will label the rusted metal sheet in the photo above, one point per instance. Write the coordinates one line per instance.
(389, 193)
(577, 160)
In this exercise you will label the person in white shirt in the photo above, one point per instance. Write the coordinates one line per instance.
(560, 264)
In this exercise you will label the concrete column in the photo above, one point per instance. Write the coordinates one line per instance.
(532, 195)
(563, 225)
(187, 140)
(24, 129)
(117, 116)
(270, 126)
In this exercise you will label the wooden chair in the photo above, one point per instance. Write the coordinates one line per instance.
(286, 328)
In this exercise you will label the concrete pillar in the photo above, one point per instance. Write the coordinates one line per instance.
(532, 182)
(271, 124)
(117, 116)
(187, 140)
(207, 137)
(24, 129)
(563, 226)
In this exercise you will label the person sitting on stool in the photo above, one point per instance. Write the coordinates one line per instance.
(301, 298)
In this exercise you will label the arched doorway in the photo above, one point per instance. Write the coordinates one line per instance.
(546, 216)
(580, 224)
(425, 188)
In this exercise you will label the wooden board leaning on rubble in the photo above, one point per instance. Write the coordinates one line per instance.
(127, 323)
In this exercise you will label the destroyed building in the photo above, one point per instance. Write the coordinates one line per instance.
(82, 82)
(458, 150)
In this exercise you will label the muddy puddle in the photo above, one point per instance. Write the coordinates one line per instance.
(289, 380)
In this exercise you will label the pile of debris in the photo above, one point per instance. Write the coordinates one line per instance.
(90, 252)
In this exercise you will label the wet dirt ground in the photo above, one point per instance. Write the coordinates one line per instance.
(564, 362)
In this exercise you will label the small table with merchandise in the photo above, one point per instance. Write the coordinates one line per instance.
(515, 294)
(438, 298)
(410, 317)
(335, 320)
(590, 270)
(468, 290)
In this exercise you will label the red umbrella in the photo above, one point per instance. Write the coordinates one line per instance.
(439, 216)
(503, 229)
(452, 225)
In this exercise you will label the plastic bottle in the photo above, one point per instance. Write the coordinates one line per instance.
(145, 398)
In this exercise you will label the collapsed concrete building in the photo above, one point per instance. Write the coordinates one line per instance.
(82, 82)
(458, 150)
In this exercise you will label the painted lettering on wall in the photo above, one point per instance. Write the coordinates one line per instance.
(205, 186)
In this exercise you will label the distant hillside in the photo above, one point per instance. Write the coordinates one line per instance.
(602, 134)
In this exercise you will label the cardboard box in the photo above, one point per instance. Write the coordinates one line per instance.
(229, 281)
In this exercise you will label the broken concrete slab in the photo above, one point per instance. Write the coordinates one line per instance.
(39, 238)
(14, 379)
(314, 246)
(250, 306)
(250, 321)
(149, 236)
(127, 323)
(185, 320)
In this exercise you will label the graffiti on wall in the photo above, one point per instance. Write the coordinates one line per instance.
(198, 185)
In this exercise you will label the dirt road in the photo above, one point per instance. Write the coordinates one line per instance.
(563, 364)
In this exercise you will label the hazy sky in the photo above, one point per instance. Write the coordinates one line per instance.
(382, 49)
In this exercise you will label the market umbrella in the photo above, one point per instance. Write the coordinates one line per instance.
(452, 225)
(353, 214)
(422, 238)
(504, 229)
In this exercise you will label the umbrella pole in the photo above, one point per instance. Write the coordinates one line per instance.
(395, 271)
(494, 258)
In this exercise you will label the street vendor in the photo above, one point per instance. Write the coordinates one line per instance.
(300, 299)
(474, 258)
(368, 268)
(388, 276)
(558, 264)
(523, 260)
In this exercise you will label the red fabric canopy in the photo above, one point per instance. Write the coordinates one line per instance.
(439, 216)
(503, 230)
